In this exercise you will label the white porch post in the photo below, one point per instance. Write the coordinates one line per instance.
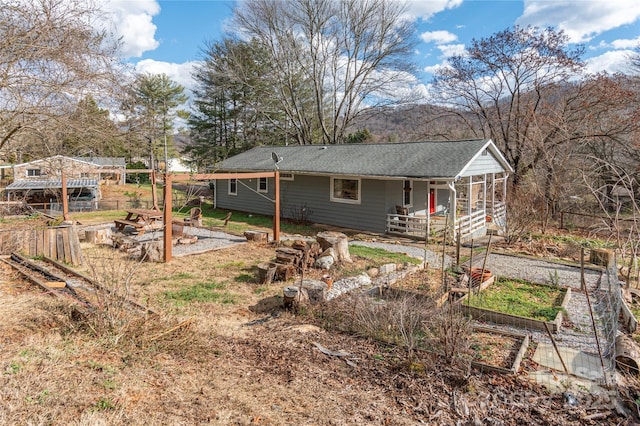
(493, 194)
(469, 196)
(504, 190)
(484, 194)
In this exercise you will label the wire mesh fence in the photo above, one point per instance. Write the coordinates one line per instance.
(569, 314)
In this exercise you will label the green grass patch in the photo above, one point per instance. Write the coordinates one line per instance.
(381, 256)
(241, 222)
(521, 298)
(202, 292)
(178, 276)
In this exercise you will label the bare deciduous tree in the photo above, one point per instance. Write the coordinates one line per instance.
(331, 58)
(502, 81)
(622, 222)
(51, 57)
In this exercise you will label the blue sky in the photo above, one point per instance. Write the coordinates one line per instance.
(167, 36)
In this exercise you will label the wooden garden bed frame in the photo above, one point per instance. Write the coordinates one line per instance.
(516, 320)
(519, 356)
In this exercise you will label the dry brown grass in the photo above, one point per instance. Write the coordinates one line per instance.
(199, 362)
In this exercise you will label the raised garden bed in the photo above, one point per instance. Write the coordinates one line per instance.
(497, 350)
(519, 303)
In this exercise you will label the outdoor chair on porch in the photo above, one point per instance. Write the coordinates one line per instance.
(402, 213)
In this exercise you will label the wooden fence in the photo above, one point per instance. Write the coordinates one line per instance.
(59, 243)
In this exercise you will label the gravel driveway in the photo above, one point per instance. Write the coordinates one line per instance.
(579, 335)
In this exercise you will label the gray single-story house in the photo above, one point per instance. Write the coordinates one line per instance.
(412, 188)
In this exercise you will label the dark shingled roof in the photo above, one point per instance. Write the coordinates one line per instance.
(52, 184)
(433, 159)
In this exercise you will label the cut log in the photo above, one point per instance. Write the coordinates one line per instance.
(97, 236)
(338, 241)
(285, 272)
(266, 273)
(300, 245)
(603, 257)
(289, 256)
(316, 290)
(151, 252)
(627, 355)
(257, 236)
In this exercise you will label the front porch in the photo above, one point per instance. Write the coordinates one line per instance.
(423, 227)
(475, 204)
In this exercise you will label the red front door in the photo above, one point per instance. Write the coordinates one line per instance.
(432, 201)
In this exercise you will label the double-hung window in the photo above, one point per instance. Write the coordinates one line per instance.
(233, 186)
(345, 190)
(262, 185)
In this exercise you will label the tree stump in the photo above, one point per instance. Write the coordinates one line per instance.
(293, 297)
(151, 252)
(257, 236)
(285, 272)
(266, 273)
(602, 257)
(338, 241)
(97, 236)
(316, 290)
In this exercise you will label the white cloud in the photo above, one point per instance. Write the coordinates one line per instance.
(180, 73)
(426, 9)
(438, 37)
(432, 69)
(581, 20)
(625, 43)
(451, 49)
(132, 22)
(611, 62)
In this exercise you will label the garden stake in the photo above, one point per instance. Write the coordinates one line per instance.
(470, 283)
(444, 243)
(555, 346)
(595, 333)
(484, 263)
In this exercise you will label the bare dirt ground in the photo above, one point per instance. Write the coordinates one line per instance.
(228, 354)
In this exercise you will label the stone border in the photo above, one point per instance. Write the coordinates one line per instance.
(516, 320)
(519, 356)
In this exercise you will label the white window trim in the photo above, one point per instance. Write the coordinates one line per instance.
(266, 184)
(229, 187)
(410, 193)
(283, 176)
(343, 200)
(39, 172)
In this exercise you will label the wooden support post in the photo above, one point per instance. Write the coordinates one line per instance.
(276, 213)
(168, 232)
(154, 194)
(65, 200)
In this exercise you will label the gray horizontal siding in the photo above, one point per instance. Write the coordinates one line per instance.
(247, 200)
(483, 164)
(308, 197)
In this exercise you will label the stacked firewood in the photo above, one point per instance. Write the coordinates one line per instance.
(289, 260)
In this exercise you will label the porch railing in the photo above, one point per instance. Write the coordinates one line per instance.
(411, 225)
(498, 212)
(466, 225)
